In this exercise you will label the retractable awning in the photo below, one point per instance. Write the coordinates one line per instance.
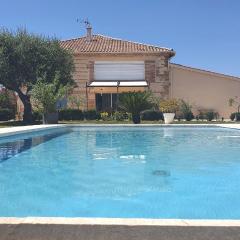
(118, 84)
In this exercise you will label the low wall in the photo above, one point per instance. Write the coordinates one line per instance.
(116, 229)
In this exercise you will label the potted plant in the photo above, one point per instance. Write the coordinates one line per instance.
(169, 108)
(134, 103)
(45, 98)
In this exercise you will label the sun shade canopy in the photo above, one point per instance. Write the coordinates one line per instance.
(118, 84)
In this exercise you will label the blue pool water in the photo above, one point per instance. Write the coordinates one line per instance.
(148, 172)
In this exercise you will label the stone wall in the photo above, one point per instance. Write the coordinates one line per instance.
(159, 81)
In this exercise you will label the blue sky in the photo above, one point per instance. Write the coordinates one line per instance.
(204, 33)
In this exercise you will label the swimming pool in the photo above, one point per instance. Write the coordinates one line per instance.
(123, 172)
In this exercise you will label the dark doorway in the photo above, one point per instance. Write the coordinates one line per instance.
(106, 102)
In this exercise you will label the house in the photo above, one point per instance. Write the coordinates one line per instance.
(106, 67)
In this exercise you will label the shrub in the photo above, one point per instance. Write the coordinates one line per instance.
(105, 116)
(169, 106)
(207, 114)
(37, 116)
(152, 115)
(120, 116)
(91, 115)
(186, 110)
(71, 114)
(135, 103)
(6, 114)
(210, 115)
(235, 116)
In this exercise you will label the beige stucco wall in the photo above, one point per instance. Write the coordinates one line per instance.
(204, 89)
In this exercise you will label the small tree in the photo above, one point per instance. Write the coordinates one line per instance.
(75, 102)
(135, 103)
(46, 95)
(25, 58)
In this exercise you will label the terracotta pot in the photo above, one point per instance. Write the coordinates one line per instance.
(168, 117)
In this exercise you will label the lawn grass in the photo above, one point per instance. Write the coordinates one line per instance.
(142, 122)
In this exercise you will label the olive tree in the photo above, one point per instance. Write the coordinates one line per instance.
(25, 58)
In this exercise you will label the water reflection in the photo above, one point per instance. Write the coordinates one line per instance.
(10, 149)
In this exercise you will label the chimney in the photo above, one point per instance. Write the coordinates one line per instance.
(89, 31)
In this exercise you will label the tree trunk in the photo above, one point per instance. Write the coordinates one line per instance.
(27, 115)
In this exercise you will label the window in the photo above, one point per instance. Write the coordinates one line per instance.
(120, 70)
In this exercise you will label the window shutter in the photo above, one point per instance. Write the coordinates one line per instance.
(111, 70)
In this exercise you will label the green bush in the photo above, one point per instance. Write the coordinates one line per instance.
(207, 114)
(134, 103)
(37, 116)
(120, 116)
(91, 115)
(186, 110)
(6, 114)
(210, 115)
(235, 116)
(152, 115)
(70, 114)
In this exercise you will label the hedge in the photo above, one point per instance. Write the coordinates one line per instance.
(71, 114)
(6, 114)
(152, 115)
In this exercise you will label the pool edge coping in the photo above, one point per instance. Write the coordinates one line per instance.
(120, 221)
(9, 131)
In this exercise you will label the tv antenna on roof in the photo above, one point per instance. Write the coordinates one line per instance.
(88, 27)
(85, 22)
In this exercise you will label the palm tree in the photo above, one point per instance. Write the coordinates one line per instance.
(135, 103)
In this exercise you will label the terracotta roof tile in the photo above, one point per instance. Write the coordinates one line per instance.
(104, 44)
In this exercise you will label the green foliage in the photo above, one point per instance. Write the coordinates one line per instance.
(185, 110)
(120, 116)
(7, 99)
(46, 95)
(235, 102)
(6, 114)
(71, 114)
(91, 115)
(37, 116)
(235, 116)
(75, 101)
(208, 114)
(152, 115)
(211, 114)
(169, 106)
(105, 116)
(135, 103)
(25, 58)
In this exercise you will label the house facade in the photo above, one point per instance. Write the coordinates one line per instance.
(106, 67)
